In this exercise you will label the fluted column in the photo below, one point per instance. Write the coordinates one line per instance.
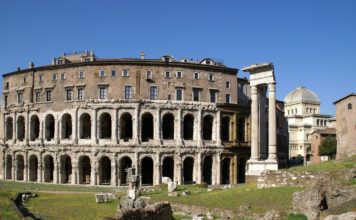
(272, 144)
(254, 123)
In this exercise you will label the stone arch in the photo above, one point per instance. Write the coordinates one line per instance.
(50, 127)
(33, 168)
(207, 169)
(147, 171)
(48, 168)
(20, 167)
(147, 127)
(168, 126)
(125, 162)
(225, 170)
(34, 128)
(188, 127)
(66, 169)
(8, 167)
(66, 126)
(225, 128)
(105, 126)
(168, 168)
(84, 168)
(188, 170)
(242, 170)
(85, 126)
(126, 126)
(104, 171)
(20, 128)
(9, 128)
(241, 129)
(208, 127)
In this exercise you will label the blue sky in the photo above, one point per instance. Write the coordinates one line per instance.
(311, 43)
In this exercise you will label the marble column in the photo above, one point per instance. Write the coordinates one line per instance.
(254, 123)
(272, 144)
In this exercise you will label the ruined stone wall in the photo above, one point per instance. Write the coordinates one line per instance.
(282, 178)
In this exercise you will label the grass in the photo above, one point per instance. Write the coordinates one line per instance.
(259, 200)
(7, 211)
(330, 166)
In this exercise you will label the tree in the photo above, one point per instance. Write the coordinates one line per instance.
(328, 146)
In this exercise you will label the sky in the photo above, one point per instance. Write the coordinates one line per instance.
(311, 43)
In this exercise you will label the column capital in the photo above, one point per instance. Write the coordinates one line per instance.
(253, 89)
(272, 86)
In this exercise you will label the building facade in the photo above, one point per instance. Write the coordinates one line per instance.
(302, 110)
(346, 126)
(84, 120)
(316, 138)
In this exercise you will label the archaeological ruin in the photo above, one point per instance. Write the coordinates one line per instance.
(85, 120)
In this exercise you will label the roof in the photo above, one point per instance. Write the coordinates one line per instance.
(301, 95)
(345, 97)
(325, 131)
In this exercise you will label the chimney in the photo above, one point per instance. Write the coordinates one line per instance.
(142, 55)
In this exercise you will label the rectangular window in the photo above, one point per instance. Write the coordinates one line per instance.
(19, 98)
(54, 77)
(125, 72)
(24, 80)
(153, 93)
(5, 101)
(41, 78)
(167, 74)
(80, 93)
(113, 73)
(128, 92)
(101, 73)
(211, 77)
(7, 85)
(148, 74)
(196, 95)
(102, 92)
(37, 96)
(81, 75)
(227, 98)
(63, 76)
(179, 94)
(179, 74)
(228, 85)
(69, 94)
(213, 95)
(49, 95)
(196, 75)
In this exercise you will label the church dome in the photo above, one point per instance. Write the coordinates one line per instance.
(301, 95)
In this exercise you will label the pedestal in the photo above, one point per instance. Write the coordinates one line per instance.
(256, 167)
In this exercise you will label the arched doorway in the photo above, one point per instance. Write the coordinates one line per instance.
(84, 170)
(33, 168)
(48, 168)
(168, 168)
(188, 127)
(225, 128)
(168, 126)
(188, 167)
(35, 128)
(147, 127)
(242, 170)
(105, 126)
(20, 167)
(225, 171)
(85, 126)
(126, 127)
(66, 169)
(66, 126)
(147, 171)
(208, 127)
(125, 163)
(105, 171)
(8, 167)
(207, 169)
(20, 128)
(49, 127)
(9, 128)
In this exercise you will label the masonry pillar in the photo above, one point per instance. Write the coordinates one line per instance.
(218, 127)
(198, 128)
(254, 123)
(57, 128)
(217, 169)
(136, 125)
(115, 127)
(157, 170)
(26, 167)
(198, 169)
(41, 131)
(75, 126)
(113, 171)
(14, 128)
(178, 127)
(272, 144)
(14, 166)
(3, 165)
(27, 128)
(178, 168)
(40, 168)
(94, 127)
(157, 127)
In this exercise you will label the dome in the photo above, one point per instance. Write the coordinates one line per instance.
(301, 95)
